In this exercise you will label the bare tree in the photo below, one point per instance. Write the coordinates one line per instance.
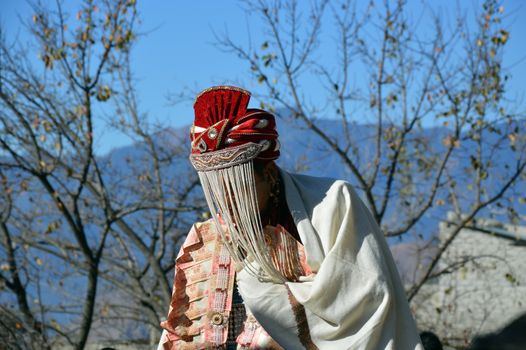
(403, 86)
(87, 241)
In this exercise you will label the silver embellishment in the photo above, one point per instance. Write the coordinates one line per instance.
(212, 133)
(278, 146)
(226, 157)
(265, 145)
(262, 123)
(202, 145)
(217, 319)
(229, 141)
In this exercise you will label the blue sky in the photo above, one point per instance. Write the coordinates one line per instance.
(178, 52)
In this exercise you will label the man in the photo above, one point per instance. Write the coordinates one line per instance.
(287, 261)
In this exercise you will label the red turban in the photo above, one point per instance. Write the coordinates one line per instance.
(222, 121)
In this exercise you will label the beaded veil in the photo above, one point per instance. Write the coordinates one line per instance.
(226, 138)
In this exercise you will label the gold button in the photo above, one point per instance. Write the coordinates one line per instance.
(217, 319)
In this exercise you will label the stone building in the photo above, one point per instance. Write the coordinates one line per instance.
(483, 287)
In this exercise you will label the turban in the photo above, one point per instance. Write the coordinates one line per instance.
(226, 137)
(226, 132)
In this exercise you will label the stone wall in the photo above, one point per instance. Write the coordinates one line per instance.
(486, 288)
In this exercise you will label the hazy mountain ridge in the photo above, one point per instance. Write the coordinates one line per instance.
(301, 151)
(305, 152)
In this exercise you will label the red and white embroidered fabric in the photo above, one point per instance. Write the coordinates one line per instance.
(202, 294)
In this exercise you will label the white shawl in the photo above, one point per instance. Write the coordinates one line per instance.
(354, 299)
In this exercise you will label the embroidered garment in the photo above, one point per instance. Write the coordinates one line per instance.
(347, 296)
(236, 322)
(205, 313)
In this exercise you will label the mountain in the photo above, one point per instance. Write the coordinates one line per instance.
(301, 151)
(305, 152)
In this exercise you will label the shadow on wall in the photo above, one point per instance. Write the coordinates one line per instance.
(511, 337)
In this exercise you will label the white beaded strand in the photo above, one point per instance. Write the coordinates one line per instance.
(231, 195)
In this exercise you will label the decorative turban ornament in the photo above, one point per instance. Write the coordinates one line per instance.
(223, 122)
(226, 137)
